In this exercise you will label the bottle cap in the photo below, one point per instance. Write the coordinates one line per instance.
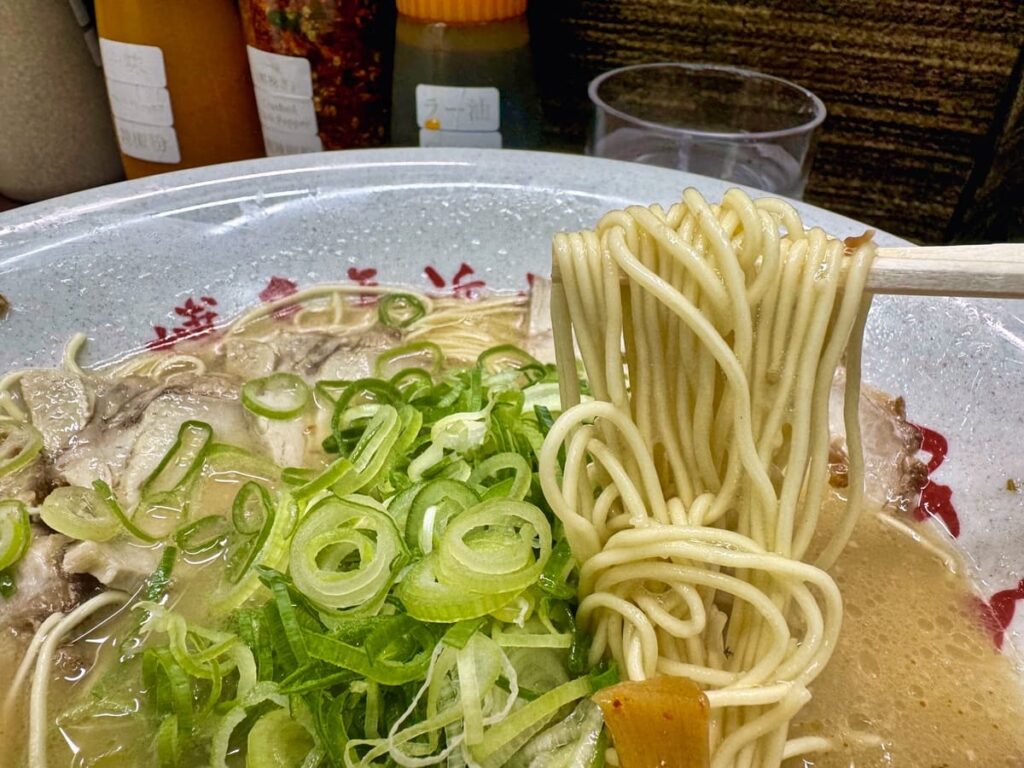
(464, 11)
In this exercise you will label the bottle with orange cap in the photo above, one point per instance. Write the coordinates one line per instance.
(464, 75)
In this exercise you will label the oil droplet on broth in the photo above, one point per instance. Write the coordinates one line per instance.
(913, 666)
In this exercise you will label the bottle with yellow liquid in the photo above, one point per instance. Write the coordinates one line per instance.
(464, 75)
(178, 81)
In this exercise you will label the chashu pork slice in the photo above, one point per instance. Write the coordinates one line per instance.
(43, 586)
(125, 441)
(118, 431)
(317, 355)
(893, 473)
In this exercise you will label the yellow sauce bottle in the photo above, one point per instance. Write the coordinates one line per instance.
(178, 82)
(464, 75)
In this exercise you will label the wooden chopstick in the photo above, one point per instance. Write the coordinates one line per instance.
(954, 270)
(994, 271)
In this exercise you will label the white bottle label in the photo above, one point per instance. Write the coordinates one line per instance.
(444, 108)
(140, 103)
(289, 143)
(470, 139)
(276, 73)
(284, 98)
(286, 113)
(130, 63)
(148, 142)
(139, 99)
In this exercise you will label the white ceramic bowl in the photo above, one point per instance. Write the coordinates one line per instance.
(133, 263)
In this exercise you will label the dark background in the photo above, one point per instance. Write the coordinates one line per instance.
(925, 133)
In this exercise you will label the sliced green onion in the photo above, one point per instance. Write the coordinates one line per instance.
(227, 459)
(160, 514)
(470, 692)
(507, 357)
(157, 582)
(345, 555)
(168, 748)
(270, 554)
(221, 741)
(277, 739)
(252, 516)
(389, 635)
(332, 475)
(361, 392)
(153, 591)
(198, 650)
(20, 444)
(458, 469)
(110, 499)
(372, 452)
(204, 535)
(505, 738)
(377, 474)
(169, 685)
(428, 599)
(603, 676)
(251, 630)
(330, 389)
(461, 432)
(544, 418)
(474, 396)
(458, 634)
(289, 617)
(577, 741)
(410, 422)
(277, 638)
(544, 395)
(579, 651)
(400, 310)
(304, 680)
(517, 611)
(8, 585)
(224, 471)
(297, 476)
(278, 396)
(491, 546)
(180, 464)
(405, 658)
(251, 508)
(80, 513)
(401, 503)
(555, 578)
(532, 640)
(419, 355)
(539, 669)
(412, 382)
(502, 462)
(15, 532)
(437, 502)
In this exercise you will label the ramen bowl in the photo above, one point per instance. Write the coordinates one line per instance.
(147, 263)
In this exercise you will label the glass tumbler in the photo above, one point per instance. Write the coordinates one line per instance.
(725, 122)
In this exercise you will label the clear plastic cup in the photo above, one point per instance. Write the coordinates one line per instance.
(726, 122)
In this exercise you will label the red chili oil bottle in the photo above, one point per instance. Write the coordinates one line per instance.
(321, 71)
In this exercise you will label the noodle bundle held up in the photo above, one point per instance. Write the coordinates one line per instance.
(694, 476)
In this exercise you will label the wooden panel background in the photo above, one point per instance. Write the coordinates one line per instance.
(926, 107)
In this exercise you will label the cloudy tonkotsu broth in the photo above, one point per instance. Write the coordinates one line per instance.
(365, 527)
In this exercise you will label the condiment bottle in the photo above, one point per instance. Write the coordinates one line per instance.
(464, 75)
(322, 72)
(178, 82)
(55, 131)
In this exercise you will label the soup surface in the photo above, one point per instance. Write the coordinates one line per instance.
(915, 672)
(916, 679)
